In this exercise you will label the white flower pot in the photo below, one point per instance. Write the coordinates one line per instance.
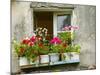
(23, 61)
(44, 59)
(74, 56)
(66, 56)
(54, 57)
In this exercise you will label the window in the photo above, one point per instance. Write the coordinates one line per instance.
(60, 20)
(44, 20)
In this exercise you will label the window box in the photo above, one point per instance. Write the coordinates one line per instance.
(44, 59)
(23, 61)
(74, 56)
(54, 57)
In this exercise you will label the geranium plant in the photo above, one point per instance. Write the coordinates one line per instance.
(38, 48)
(32, 53)
(55, 41)
(55, 45)
(24, 46)
(67, 34)
(21, 47)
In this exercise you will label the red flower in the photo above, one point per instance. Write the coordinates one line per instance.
(38, 38)
(30, 43)
(40, 45)
(25, 41)
(33, 38)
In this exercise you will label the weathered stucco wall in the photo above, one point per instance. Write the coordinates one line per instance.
(83, 16)
(22, 22)
(22, 25)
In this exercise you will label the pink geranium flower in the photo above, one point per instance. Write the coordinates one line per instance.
(66, 28)
(55, 40)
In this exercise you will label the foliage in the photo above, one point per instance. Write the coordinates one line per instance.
(36, 45)
(20, 49)
(55, 48)
(43, 49)
(74, 48)
(77, 48)
(32, 52)
(65, 36)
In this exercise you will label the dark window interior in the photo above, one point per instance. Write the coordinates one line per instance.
(44, 19)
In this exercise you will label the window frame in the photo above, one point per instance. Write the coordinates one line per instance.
(55, 14)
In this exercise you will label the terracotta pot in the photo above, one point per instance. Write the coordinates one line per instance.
(54, 57)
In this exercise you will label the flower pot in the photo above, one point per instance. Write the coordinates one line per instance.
(65, 56)
(44, 59)
(74, 56)
(23, 61)
(54, 57)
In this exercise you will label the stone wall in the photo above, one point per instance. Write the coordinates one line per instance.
(83, 16)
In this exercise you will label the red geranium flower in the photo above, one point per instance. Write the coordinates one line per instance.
(31, 43)
(40, 45)
(25, 41)
(38, 38)
(33, 38)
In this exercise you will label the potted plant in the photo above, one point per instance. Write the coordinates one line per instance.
(21, 49)
(75, 51)
(55, 49)
(65, 52)
(33, 55)
(41, 42)
(43, 53)
(67, 34)
(24, 50)
(66, 37)
(72, 53)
